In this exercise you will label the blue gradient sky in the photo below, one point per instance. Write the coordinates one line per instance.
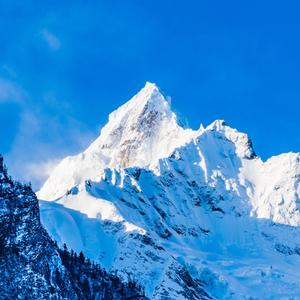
(65, 66)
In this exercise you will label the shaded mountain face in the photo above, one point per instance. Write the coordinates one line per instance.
(31, 264)
(28, 257)
(192, 214)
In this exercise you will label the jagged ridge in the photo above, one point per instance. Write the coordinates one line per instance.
(199, 203)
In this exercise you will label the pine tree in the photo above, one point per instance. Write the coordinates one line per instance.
(81, 258)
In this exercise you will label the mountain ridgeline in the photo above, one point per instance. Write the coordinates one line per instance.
(32, 266)
(192, 214)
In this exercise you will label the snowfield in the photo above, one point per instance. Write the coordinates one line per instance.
(191, 214)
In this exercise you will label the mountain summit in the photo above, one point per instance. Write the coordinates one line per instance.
(192, 214)
(138, 134)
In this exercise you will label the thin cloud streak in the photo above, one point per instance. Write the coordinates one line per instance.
(10, 91)
(41, 142)
(44, 137)
(51, 39)
(40, 171)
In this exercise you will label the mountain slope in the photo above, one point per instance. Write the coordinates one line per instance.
(193, 214)
(31, 264)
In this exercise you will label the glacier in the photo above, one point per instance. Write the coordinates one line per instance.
(191, 214)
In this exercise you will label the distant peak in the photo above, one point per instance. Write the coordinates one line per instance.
(149, 89)
(140, 131)
(150, 93)
(149, 98)
(217, 125)
(151, 86)
(243, 143)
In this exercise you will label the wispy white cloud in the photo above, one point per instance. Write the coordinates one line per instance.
(51, 39)
(41, 142)
(47, 133)
(8, 70)
(10, 91)
(40, 171)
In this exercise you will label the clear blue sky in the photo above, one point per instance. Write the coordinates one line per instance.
(65, 66)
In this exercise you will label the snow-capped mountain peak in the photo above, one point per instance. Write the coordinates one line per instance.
(188, 212)
(149, 98)
(142, 123)
(138, 133)
(218, 125)
(242, 142)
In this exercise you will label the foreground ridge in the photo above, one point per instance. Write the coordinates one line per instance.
(31, 264)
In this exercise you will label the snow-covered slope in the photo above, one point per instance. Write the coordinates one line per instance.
(193, 214)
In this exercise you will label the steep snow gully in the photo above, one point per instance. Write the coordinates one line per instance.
(190, 214)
